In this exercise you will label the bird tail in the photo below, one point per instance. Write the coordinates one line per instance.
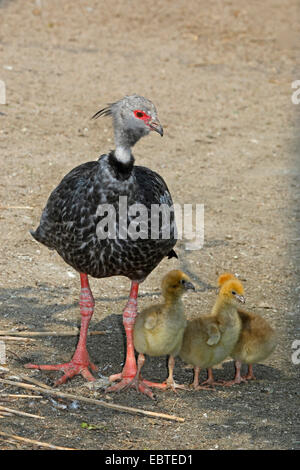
(172, 254)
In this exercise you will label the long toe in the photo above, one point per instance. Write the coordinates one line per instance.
(174, 386)
(180, 386)
(70, 369)
(121, 385)
(143, 388)
(209, 384)
(161, 386)
(139, 385)
(166, 385)
(115, 377)
(248, 377)
(204, 387)
(230, 383)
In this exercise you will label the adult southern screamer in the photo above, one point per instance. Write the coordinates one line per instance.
(86, 222)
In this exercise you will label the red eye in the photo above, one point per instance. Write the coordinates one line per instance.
(140, 114)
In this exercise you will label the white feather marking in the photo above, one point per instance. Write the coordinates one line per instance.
(123, 154)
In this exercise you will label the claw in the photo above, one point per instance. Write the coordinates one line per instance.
(70, 369)
(140, 385)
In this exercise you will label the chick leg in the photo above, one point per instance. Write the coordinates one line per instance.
(250, 375)
(80, 362)
(169, 382)
(195, 383)
(210, 378)
(196, 377)
(237, 378)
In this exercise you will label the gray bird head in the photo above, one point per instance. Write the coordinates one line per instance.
(133, 117)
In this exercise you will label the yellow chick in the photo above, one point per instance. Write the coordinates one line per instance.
(159, 328)
(256, 342)
(209, 339)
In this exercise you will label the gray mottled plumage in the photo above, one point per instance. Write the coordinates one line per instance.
(70, 221)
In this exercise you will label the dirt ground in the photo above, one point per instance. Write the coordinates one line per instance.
(220, 75)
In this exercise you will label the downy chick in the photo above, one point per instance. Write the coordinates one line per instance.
(256, 342)
(209, 339)
(159, 328)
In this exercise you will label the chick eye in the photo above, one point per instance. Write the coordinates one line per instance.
(182, 281)
(233, 292)
(139, 114)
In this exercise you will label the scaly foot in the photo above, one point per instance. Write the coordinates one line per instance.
(167, 384)
(130, 371)
(80, 362)
(126, 382)
(235, 381)
(70, 369)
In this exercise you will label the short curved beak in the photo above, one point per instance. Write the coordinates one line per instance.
(189, 285)
(240, 298)
(157, 127)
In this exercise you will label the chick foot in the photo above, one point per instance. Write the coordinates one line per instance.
(230, 383)
(250, 375)
(237, 378)
(169, 383)
(207, 384)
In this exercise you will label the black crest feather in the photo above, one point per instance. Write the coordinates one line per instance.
(103, 112)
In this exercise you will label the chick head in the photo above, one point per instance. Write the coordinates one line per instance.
(232, 291)
(225, 277)
(175, 283)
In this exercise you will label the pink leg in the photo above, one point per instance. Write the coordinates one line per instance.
(170, 382)
(130, 368)
(237, 378)
(138, 382)
(80, 363)
(130, 375)
(210, 378)
(195, 384)
(209, 381)
(250, 375)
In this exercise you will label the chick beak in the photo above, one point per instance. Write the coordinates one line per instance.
(156, 126)
(240, 298)
(189, 285)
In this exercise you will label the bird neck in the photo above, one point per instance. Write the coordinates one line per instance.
(126, 137)
(121, 158)
(121, 167)
(171, 300)
(123, 155)
(223, 307)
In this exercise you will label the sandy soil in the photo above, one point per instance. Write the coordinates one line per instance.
(220, 75)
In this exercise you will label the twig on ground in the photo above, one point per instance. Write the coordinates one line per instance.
(33, 381)
(125, 409)
(32, 441)
(15, 395)
(20, 413)
(24, 334)
(16, 338)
